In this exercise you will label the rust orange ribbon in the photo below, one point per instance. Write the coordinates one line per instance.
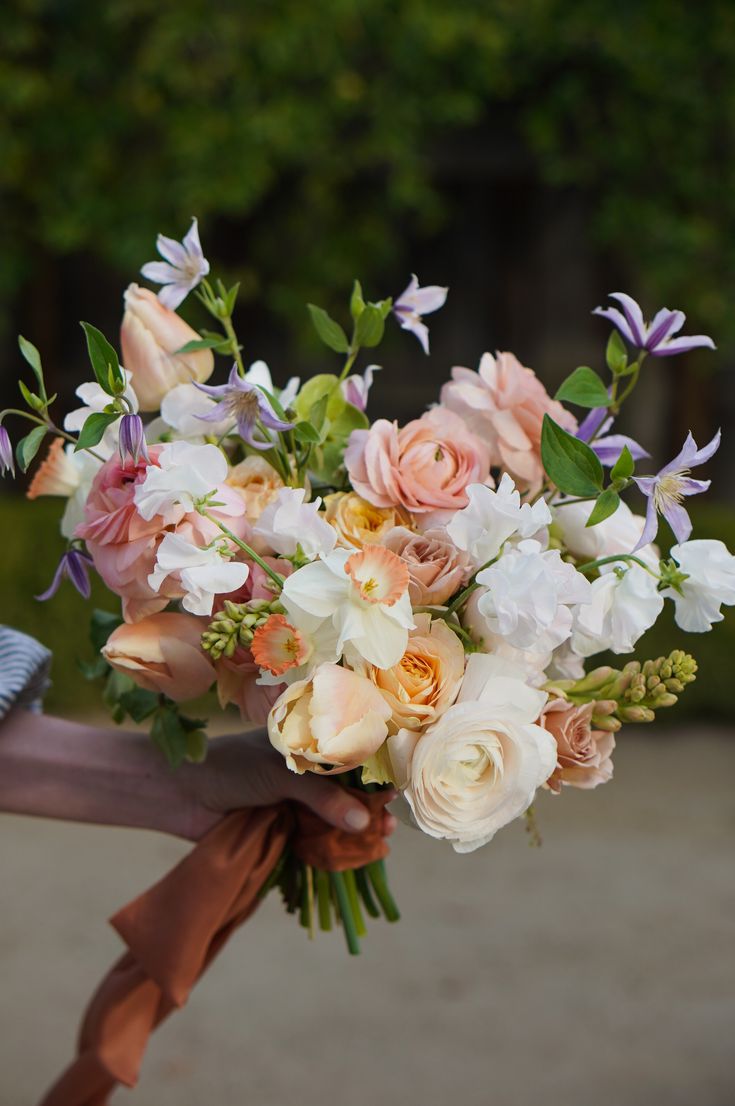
(175, 929)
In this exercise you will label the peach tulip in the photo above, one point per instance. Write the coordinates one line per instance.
(162, 653)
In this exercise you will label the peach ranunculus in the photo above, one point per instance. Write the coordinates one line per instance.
(257, 482)
(150, 335)
(359, 522)
(505, 403)
(436, 568)
(123, 545)
(584, 754)
(330, 723)
(426, 679)
(237, 683)
(424, 467)
(163, 653)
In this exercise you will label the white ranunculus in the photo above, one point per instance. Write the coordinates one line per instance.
(492, 517)
(203, 573)
(710, 583)
(479, 766)
(625, 603)
(619, 533)
(185, 473)
(528, 597)
(288, 522)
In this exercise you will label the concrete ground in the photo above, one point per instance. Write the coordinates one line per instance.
(596, 971)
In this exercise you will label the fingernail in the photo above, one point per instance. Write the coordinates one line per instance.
(357, 818)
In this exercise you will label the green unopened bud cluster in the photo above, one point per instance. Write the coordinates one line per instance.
(633, 693)
(235, 626)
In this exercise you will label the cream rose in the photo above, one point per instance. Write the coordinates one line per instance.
(329, 723)
(162, 653)
(479, 766)
(257, 482)
(358, 522)
(436, 568)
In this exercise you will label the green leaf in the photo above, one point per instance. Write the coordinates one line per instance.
(305, 432)
(585, 388)
(92, 670)
(616, 354)
(231, 298)
(33, 357)
(203, 343)
(318, 413)
(370, 327)
(330, 332)
(101, 625)
(139, 703)
(34, 402)
(323, 384)
(94, 428)
(606, 505)
(103, 358)
(357, 303)
(28, 447)
(384, 306)
(169, 735)
(274, 402)
(569, 463)
(624, 467)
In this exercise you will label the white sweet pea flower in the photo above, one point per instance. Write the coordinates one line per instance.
(288, 522)
(185, 473)
(528, 596)
(95, 399)
(478, 767)
(491, 517)
(260, 374)
(363, 596)
(620, 533)
(710, 571)
(204, 573)
(624, 603)
(183, 408)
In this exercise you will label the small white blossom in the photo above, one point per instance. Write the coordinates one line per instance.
(625, 602)
(710, 583)
(203, 573)
(492, 517)
(94, 400)
(288, 522)
(184, 474)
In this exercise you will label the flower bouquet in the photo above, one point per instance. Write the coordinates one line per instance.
(408, 606)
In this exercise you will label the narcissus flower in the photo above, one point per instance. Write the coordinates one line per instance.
(278, 646)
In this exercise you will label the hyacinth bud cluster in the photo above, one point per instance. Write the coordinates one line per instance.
(235, 626)
(633, 693)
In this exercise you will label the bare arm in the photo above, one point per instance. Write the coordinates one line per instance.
(53, 768)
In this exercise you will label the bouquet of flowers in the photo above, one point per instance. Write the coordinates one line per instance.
(410, 606)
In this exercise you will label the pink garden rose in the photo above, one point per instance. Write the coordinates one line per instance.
(425, 466)
(123, 545)
(436, 568)
(584, 754)
(505, 403)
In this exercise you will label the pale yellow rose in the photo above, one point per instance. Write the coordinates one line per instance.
(330, 723)
(358, 522)
(258, 483)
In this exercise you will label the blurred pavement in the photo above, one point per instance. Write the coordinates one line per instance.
(599, 969)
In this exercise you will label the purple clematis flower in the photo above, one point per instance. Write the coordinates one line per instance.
(655, 337)
(415, 302)
(247, 405)
(355, 388)
(608, 447)
(183, 267)
(131, 439)
(74, 564)
(666, 490)
(7, 463)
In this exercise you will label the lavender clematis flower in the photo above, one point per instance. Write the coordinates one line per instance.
(7, 464)
(131, 440)
(655, 337)
(73, 564)
(183, 267)
(246, 405)
(415, 302)
(608, 447)
(666, 490)
(355, 388)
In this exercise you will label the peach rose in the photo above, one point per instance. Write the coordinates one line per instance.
(505, 404)
(330, 723)
(150, 335)
(359, 522)
(584, 754)
(257, 482)
(436, 568)
(423, 467)
(426, 679)
(163, 653)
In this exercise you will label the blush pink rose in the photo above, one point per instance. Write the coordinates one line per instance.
(505, 403)
(436, 568)
(424, 467)
(584, 754)
(123, 545)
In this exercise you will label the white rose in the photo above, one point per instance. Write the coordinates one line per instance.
(625, 603)
(710, 570)
(479, 766)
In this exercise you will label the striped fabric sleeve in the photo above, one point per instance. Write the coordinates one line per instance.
(24, 671)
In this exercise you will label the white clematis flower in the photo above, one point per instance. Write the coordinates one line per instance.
(710, 583)
(288, 522)
(203, 573)
(185, 473)
(363, 596)
(528, 597)
(491, 517)
(625, 602)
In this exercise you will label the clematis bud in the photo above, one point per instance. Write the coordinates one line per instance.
(6, 453)
(131, 441)
(150, 337)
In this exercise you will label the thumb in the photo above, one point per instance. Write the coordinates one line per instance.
(332, 803)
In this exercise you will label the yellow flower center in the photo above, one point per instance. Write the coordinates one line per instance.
(668, 491)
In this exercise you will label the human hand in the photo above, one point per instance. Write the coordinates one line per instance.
(244, 770)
